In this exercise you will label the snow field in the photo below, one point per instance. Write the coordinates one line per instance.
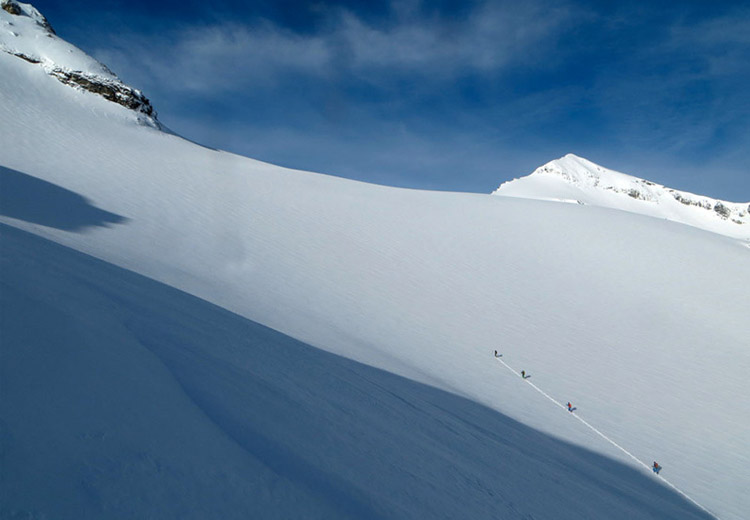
(124, 398)
(642, 323)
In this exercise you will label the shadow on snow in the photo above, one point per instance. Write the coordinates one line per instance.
(123, 397)
(33, 200)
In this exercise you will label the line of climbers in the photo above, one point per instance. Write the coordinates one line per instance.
(656, 467)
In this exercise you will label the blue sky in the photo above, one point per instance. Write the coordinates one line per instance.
(449, 95)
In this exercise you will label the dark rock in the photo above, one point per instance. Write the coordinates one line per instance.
(110, 90)
(635, 194)
(30, 59)
(722, 210)
(690, 202)
(44, 23)
(11, 7)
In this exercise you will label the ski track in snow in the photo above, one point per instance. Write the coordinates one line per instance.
(606, 438)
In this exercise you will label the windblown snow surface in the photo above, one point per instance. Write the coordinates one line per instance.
(139, 378)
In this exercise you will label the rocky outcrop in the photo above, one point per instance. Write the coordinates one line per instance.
(681, 198)
(11, 7)
(636, 194)
(25, 57)
(112, 91)
(722, 210)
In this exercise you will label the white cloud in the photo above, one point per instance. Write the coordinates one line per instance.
(490, 38)
(218, 58)
(234, 56)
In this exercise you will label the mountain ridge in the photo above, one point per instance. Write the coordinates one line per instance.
(574, 179)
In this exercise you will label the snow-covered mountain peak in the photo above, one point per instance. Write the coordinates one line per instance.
(582, 171)
(26, 34)
(578, 180)
(20, 9)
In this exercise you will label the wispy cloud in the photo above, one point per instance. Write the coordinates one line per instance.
(234, 56)
(217, 58)
(493, 36)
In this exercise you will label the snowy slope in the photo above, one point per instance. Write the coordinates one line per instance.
(578, 180)
(642, 323)
(155, 404)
